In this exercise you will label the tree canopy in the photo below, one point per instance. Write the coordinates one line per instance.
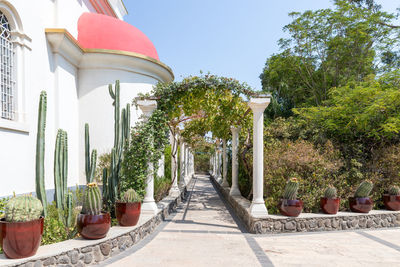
(328, 48)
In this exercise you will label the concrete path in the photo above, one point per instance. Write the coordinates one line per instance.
(204, 232)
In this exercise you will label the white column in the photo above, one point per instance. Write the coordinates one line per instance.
(224, 164)
(258, 105)
(149, 205)
(235, 165)
(216, 163)
(182, 165)
(192, 157)
(161, 166)
(219, 176)
(174, 163)
(186, 164)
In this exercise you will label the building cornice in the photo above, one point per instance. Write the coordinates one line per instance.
(63, 43)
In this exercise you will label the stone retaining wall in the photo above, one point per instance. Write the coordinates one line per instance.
(80, 252)
(307, 222)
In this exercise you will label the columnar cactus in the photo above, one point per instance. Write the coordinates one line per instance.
(23, 209)
(291, 189)
(90, 163)
(394, 190)
(92, 203)
(364, 189)
(130, 196)
(330, 192)
(40, 151)
(69, 220)
(61, 169)
(121, 139)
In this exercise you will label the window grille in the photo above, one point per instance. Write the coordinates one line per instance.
(6, 66)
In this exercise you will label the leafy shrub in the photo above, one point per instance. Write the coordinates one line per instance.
(103, 161)
(54, 230)
(359, 117)
(315, 169)
(202, 162)
(161, 187)
(167, 161)
(148, 140)
(384, 171)
(3, 202)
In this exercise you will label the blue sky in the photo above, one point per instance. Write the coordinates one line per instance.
(231, 38)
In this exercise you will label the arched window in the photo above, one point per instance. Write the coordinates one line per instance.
(7, 82)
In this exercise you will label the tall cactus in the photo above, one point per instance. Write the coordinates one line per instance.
(61, 169)
(90, 163)
(40, 151)
(291, 189)
(121, 139)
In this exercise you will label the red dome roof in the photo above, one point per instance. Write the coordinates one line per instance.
(105, 32)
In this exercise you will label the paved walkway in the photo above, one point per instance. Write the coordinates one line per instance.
(204, 233)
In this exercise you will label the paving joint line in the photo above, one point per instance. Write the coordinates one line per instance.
(380, 240)
(260, 254)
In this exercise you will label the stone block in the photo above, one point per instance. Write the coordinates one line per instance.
(88, 258)
(64, 259)
(86, 249)
(97, 254)
(49, 261)
(290, 226)
(73, 256)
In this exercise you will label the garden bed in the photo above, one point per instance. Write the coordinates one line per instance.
(81, 252)
(307, 222)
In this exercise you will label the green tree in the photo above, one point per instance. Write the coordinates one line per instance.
(328, 48)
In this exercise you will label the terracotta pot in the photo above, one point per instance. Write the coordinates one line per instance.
(361, 204)
(21, 239)
(127, 213)
(94, 226)
(391, 202)
(330, 205)
(290, 208)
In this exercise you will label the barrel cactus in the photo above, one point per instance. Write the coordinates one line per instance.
(92, 202)
(394, 190)
(364, 189)
(330, 192)
(291, 189)
(130, 196)
(23, 209)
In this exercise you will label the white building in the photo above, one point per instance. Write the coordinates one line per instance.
(72, 49)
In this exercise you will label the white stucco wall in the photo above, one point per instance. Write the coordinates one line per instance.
(18, 149)
(77, 92)
(95, 105)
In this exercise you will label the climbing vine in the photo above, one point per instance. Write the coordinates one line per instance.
(148, 139)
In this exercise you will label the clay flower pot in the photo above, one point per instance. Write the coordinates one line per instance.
(330, 205)
(127, 213)
(362, 204)
(21, 239)
(392, 202)
(290, 207)
(94, 226)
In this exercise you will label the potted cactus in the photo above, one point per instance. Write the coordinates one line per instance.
(392, 199)
(361, 202)
(128, 209)
(92, 223)
(289, 204)
(22, 227)
(330, 203)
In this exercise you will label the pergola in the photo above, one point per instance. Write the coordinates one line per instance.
(218, 160)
